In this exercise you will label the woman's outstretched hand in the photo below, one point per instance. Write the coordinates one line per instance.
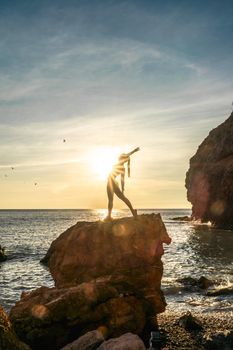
(135, 150)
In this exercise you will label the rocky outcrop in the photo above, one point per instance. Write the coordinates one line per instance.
(89, 250)
(49, 318)
(107, 274)
(8, 339)
(209, 180)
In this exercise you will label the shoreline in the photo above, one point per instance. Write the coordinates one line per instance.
(216, 332)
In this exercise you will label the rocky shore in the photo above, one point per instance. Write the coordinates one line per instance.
(215, 331)
(108, 296)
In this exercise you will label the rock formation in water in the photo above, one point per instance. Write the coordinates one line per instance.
(96, 249)
(209, 180)
(3, 256)
(107, 274)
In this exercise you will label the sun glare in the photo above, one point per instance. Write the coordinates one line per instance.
(102, 161)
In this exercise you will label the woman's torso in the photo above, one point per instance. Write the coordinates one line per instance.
(118, 169)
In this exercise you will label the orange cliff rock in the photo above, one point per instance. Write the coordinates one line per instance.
(106, 274)
(209, 180)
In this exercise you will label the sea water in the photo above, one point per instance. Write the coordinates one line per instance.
(196, 250)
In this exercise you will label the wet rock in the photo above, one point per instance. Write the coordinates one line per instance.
(220, 291)
(189, 284)
(204, 282)
(182, 218)
(127, 341)
(209, 180)
(89, 341)
(106, 274)
(193, 284)
(8, 339)
(3, 256)
(219, 341)
(189, 322)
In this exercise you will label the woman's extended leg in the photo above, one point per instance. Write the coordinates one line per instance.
(125, 200)
(110, 199)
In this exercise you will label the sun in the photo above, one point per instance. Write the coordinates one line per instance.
(102, 161)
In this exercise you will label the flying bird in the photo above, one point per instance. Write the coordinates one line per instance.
(64, 140)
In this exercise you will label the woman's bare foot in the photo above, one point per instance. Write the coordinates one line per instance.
(108, 218)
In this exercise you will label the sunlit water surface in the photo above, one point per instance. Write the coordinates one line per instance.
(196, 250)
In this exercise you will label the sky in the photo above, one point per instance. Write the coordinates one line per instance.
(84, 79)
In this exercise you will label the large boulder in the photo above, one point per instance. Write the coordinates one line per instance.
(107, 274)
(8, 339)
(209, 180)
(49, 318)
(89, 250)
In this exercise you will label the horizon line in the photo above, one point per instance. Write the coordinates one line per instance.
(123, 209)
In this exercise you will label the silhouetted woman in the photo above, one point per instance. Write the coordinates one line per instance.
(113, 187)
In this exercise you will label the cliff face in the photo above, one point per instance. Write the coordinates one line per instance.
(107, 274)
(209, 180)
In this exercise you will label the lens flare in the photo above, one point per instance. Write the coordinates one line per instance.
(102, 161)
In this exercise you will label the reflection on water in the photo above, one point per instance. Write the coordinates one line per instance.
(196, 250)
(212, 245)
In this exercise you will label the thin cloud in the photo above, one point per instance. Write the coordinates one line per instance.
(119, 75)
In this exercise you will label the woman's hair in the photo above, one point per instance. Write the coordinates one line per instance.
(128, 166)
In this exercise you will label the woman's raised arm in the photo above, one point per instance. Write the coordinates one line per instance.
(135, 150)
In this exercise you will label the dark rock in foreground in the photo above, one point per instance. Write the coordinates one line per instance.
(189, 322)
(219, 341)
(220, 291)
(209, 180)
(89, 341)
(107, 274)
(8, 339)
(49, 318)
(193, 284)
(127, 341)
